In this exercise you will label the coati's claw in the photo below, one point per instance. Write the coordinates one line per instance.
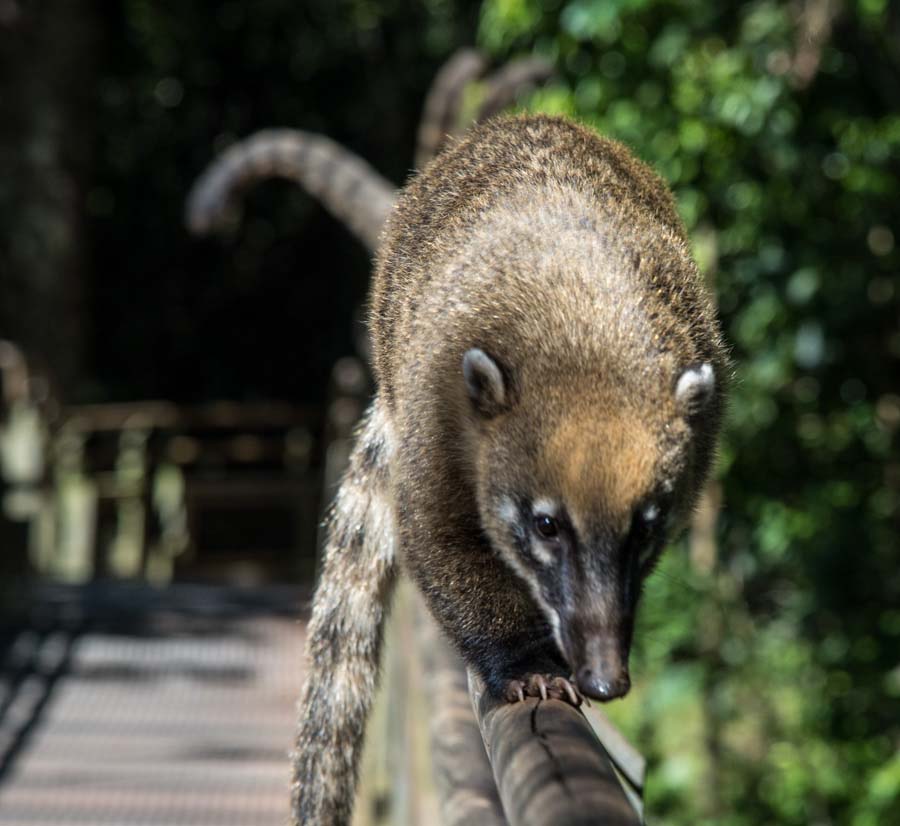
(515, 692)
(574, 697)
(562, 689)
(544, 686)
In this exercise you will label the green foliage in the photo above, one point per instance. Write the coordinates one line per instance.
(767, 683)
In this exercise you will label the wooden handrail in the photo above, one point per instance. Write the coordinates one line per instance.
(549, 765)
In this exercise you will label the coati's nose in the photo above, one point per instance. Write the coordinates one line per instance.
(600, 685)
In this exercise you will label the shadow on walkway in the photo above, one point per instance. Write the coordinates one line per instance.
(126, 704)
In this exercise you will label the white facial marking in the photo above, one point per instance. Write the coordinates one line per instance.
(509, 513)
(545, 506)
(552, 617)
(544, 556)
(527, 576)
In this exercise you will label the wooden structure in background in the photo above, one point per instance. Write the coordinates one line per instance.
(197, 488)
(138, 490)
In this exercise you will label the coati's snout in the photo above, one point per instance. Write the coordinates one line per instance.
(599, 659)
(598, 595)
(587, 586)
(603, 685)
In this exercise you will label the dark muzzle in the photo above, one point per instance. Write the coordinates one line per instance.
(601, 671)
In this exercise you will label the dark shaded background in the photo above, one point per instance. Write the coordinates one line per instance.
(767, 670)
(109, 117)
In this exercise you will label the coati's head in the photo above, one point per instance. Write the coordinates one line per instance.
(578, 496)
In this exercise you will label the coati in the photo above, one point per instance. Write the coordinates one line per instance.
(550, 380)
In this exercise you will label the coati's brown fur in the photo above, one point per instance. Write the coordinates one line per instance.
(550, 378)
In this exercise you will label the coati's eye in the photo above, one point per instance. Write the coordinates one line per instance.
(545, 526)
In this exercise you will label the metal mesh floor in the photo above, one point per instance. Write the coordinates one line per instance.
(131, 707)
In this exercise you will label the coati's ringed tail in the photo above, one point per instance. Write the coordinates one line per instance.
(345, 184)
(345, 632)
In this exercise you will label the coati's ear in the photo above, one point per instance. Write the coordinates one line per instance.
(694, 388)
(484, 382)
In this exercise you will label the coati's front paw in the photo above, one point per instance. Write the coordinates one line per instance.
(545, 686)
